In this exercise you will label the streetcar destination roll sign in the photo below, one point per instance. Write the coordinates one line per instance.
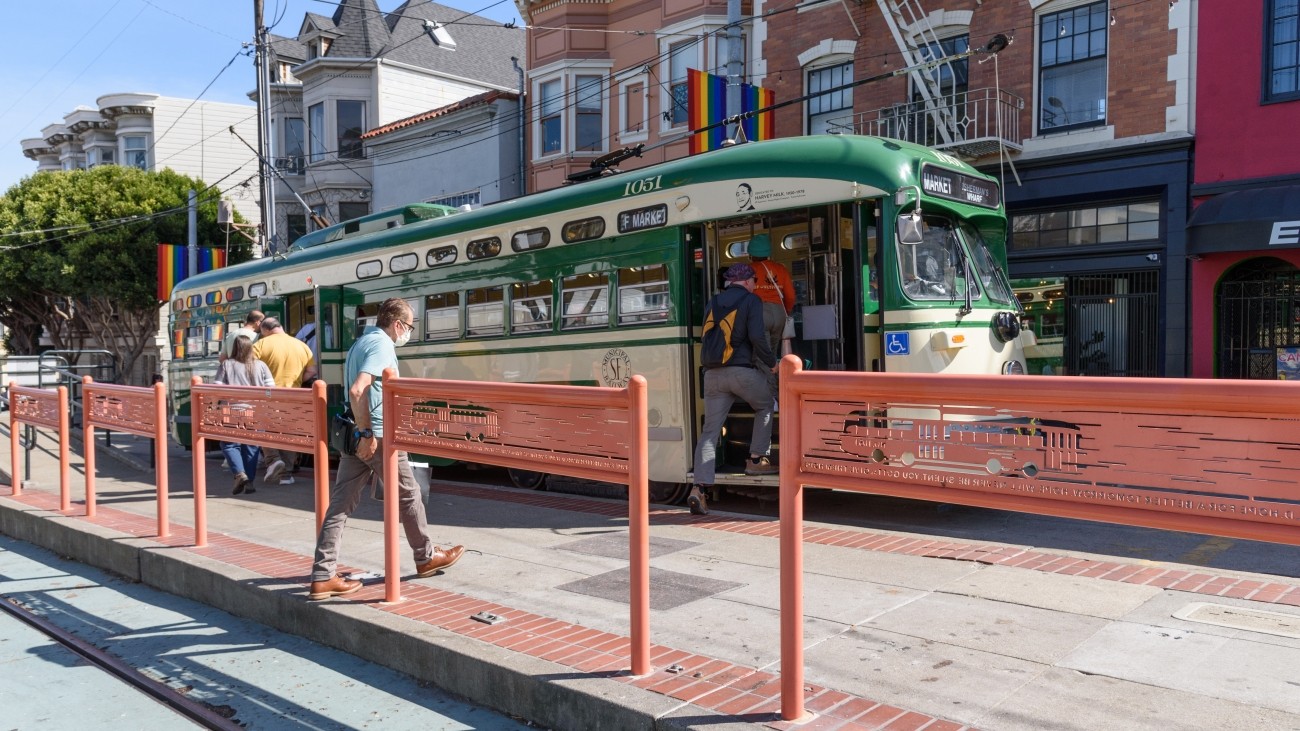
(639, 219)
(959, 187)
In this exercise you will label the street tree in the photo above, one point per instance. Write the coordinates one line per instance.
(78, 257)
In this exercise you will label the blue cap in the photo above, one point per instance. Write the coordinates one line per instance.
(739, 273)
(760, 245)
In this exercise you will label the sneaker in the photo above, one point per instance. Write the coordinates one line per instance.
(274, 470)
(698, 504)
(241, 482)
(761, 466)
(287, 480)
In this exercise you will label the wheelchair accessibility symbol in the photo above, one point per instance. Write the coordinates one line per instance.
(897, 343)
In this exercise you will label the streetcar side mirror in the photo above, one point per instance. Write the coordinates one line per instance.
(909, 229)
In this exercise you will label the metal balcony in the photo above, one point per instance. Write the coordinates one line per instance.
(982, 120)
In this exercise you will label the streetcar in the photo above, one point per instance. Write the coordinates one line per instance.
(897, 251)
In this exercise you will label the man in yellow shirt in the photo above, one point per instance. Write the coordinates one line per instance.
(290, 361)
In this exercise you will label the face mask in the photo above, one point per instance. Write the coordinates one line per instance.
(404, 338)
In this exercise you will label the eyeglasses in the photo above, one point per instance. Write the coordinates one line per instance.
(409, 326)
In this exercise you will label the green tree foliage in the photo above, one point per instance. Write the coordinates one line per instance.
(78, 257)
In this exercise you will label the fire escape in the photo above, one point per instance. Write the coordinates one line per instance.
(969, 123)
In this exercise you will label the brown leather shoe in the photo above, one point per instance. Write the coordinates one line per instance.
(440, 559)
(336, 586)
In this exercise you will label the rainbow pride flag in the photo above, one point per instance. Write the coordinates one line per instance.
(707, 95)
(174, 265)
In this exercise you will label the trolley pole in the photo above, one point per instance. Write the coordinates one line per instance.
(735, 61)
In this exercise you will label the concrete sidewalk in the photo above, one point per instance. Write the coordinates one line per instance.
(902, 631)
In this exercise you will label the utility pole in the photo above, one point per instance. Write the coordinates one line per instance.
(193, 237)
(735, 62)
(264, 134)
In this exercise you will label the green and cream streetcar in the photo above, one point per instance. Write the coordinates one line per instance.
(897, 252)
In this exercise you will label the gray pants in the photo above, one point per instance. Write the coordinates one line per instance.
(722, 386)
(774, 323)
(353, 476)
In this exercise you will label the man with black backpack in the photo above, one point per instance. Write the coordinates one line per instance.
(737, 360)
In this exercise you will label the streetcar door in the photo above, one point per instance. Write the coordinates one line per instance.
(272, 307)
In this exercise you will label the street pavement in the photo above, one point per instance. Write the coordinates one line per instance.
(902, 630)
(254, 676)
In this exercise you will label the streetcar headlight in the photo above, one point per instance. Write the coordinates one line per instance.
(1013, 368)
(1006, 325)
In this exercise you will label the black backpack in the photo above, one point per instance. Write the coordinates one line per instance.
(715, 343)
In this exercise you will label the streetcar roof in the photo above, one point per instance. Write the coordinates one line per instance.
(896, 163)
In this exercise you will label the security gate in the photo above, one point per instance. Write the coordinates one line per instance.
(1258, 312)
(1113, 324)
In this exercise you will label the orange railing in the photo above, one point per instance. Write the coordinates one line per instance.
(132, 410)
(1207, 456)
(40, 407)
(285, 418)
(580, 431)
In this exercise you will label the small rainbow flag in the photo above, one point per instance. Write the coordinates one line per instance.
(174, 267)
(707, 94)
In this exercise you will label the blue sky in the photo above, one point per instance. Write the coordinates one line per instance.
(65, 53)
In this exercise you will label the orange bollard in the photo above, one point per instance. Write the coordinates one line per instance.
(88, 438)
(160, 456)
(65, 457)
(15, 444)
(200, 469)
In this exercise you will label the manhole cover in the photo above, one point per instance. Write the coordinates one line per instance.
(1251, 620)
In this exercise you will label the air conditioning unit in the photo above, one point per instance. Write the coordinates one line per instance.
(289, 165)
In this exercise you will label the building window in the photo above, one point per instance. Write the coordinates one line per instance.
(135, 152)
(316, 131)
(552, 109)
(1072, 68)
(470, 198)
(351, 123)
(294, 140)
(825, 107)
(1283, 51)
(1113, 224)
(589, 124)
(349, 210)
(681, 56)
(296, 227)
(634, 108)
(951, 78)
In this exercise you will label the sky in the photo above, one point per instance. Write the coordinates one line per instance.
(66, 53)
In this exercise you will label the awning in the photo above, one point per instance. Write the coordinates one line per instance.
(1246, 220)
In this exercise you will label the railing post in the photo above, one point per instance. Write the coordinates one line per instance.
(65, 458)
(88, 436)
(638, 473)
(791, 507)
(392, 563)
(160, 456)
(321, 458)
(200, 467)
(16, 480)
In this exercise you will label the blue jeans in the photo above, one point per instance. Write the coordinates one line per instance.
(242, 458)
(722, 386)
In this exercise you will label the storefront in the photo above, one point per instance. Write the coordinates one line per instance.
(1097, 256)
(1244, 247)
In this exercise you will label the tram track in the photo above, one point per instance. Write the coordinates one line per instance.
(194, 711)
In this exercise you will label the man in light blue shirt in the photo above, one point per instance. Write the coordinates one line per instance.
(373, 352)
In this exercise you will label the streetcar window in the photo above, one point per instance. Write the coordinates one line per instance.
(790, 242)
(403, 263)
(234, 294)
(194, 342)
(483, 248)
(738, 249)
(328, 317)
(584, 230)
(196, 300)
(586, 301)
(530, 306)
(215, 334)
(368, 269)
(442, 316)
(178, 343)
(484, 311)
(643, 294)
(257, 290)
(213, 298)
(536, 238)
(934, 268)
(367, 315)
(441, 256)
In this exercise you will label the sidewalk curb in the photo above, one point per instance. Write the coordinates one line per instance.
(552, 695)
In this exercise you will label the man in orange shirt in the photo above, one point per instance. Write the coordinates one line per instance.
(775, 288)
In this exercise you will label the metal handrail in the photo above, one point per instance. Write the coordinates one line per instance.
(982, 119)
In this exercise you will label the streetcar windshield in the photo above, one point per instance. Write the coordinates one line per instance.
(992, 276)
(933, 269)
